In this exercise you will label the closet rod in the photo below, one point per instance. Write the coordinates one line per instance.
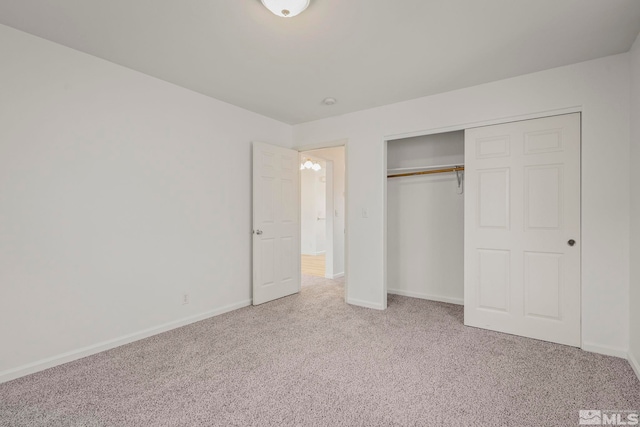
(428, 172)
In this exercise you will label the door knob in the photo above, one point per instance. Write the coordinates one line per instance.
(258, 232)
(571, 242)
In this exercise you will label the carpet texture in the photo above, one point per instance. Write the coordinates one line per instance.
(312, 360)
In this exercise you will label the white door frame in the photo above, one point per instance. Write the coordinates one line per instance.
(333, 144)
(329, 209)
(458, 127)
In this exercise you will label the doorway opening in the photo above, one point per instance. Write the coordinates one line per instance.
(425, 217)
(322, 216)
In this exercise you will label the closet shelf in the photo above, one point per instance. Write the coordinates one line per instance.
(424, 171)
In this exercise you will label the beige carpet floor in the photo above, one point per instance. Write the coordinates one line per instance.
(312, 360)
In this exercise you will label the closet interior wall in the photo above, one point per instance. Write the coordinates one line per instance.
(425, 219)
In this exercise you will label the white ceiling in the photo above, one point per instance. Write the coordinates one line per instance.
(365, 53)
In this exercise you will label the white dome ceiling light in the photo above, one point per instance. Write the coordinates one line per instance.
(286, 8)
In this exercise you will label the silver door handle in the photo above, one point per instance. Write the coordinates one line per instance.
(258, 232)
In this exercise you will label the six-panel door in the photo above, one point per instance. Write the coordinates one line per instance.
(276, 224)
(522, 212)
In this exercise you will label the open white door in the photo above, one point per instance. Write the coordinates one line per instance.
(522, 228)
(276, 222)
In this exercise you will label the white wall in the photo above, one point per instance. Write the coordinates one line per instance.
(428, 150)
(599, 88)
(634, 300)
(118, 192)
(336, 221)
(312, 207)
(425, 220)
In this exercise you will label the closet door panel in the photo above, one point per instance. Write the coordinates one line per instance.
(542, 283)
(493, 146)
(523, 198)
(493, 198)
(543, 197)
(493, 279)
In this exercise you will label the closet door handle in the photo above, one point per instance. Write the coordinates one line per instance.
(258, 232)
(571, 242)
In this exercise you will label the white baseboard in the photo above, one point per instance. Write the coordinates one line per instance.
(458, 301)
(607, 351)
(70, 356)
(365, 304)
(634, 364)
(336, 276)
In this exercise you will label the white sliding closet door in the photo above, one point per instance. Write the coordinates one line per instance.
(522, 228)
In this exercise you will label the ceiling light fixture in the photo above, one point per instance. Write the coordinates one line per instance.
(308, 164)
(329, 101)
(286, 8)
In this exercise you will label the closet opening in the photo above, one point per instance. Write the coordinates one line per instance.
(425, 217)
(322, 216)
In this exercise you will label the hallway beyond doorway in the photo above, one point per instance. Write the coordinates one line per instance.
(313, 265)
